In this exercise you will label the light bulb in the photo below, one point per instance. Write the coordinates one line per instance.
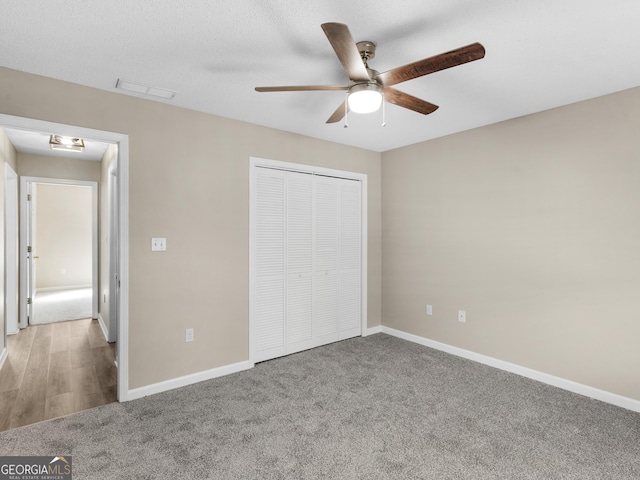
(365, 97)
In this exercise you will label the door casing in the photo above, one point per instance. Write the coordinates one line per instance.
(122, 141)
(26, 240)
(11, 251)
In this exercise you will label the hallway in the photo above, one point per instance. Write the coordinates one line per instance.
(54, 370)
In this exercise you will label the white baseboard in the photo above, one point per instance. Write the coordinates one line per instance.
(372, 331)
(63, 287)
(103, 327)
(188, 380)
(3, 356)
(602, 395)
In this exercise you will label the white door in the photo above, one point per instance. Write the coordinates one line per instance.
(350, 279)
(306, 261)
(114, 259)
(326, 249)
(26, 253)
(268, 305)
(299, 257)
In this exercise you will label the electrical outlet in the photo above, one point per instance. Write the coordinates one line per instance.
(462, 316)
(189, 335)
(429, 310)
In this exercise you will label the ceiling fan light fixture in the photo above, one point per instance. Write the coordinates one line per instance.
(365, 97)
(68, 144)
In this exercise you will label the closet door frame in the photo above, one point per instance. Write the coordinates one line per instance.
(255, 163)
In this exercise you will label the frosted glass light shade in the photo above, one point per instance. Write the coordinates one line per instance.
(365, 97)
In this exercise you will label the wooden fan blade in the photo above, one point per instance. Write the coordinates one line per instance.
(405, 100)
(301, 88)
(338, 114)
(346, 50)
(417, 69)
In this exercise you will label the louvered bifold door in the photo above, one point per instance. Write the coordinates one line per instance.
(325, 275)
(307, 261)
(269, 301)
(299, 296)
(350, 258)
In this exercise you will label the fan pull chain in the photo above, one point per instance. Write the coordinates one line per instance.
(384, 112)
(346, 110)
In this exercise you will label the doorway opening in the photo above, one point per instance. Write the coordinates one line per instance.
(115, 274)
(59, 250)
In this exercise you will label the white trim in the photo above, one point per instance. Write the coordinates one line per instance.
(303, 168)
(188, 380)
(312, 169)
(579, 388)
(11, 253)
(372, 331)
(3, 356)
(122, 140)
(112, 201)
(103, 327)
(122, 344)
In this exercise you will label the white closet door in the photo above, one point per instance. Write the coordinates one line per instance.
(325, 277)
(299, 305)
(350, 248)
(269, 302)
(307, 261)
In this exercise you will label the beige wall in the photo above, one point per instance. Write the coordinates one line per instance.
(109, 159)
(528, 225)
(532, 227)
(7, 156)
(189, 182)
(62, 235)
(32, 165)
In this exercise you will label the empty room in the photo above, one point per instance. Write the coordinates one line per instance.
(332, 240)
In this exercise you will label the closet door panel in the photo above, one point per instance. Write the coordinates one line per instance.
(350, 259)
(307, 261)
(325, 308)
(299, 312)
(299, 303)
(349, 316)
(326, 225)
(299, 223)
(325, 278)
(269, 319)
(269, 305)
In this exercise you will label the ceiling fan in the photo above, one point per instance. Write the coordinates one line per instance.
(367, 87)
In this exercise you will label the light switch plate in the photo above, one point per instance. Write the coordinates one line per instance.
(158, 244)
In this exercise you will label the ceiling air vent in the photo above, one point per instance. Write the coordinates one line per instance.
(145, 89)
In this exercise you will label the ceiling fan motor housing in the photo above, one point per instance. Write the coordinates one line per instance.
(367, 50)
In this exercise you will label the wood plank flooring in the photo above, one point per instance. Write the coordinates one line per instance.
(55, 370)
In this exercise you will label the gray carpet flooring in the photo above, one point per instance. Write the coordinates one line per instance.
(366, 408)
(52, 306)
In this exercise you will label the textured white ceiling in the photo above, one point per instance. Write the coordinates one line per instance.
(540, 54)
